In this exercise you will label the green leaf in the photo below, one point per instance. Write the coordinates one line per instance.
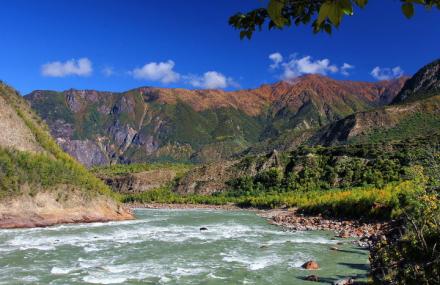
(335, 13)
(275, 9)
(324, 11)
(408, 10)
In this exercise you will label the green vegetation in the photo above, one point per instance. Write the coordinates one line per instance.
(367, 202)
(39, 171)
(324, 168)
(410, 253)
(323, 14)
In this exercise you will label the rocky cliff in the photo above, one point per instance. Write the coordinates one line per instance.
(425, 83)
(40, 185)
(213, 177)
(160, 124)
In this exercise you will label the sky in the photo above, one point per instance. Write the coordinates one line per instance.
(117, 45)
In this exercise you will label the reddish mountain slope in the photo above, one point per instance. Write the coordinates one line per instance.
(150, 123)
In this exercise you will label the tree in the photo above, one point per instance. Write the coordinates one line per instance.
(324, 15)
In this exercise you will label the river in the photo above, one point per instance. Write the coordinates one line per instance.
(167, 247)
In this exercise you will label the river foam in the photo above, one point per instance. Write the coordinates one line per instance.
(163, 247)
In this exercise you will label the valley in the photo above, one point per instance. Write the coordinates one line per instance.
(220, 142)
(349, 158)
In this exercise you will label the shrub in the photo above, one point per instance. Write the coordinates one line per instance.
(411, 254)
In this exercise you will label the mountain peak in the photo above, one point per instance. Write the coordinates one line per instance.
(425, 83)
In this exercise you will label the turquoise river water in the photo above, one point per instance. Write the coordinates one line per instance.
(167, 247)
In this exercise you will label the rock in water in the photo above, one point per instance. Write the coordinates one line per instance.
(313, 278)
(348, 281)
(203, 229)
(310, 265)
(344, 234)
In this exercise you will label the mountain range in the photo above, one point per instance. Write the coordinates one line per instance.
(162, 124)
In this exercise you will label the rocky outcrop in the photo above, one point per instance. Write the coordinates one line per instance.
(213, 177)
(87, 152)
(63, 204)
(133, 183)
(207, 179)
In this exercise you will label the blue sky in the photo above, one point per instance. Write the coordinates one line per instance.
(118, 45)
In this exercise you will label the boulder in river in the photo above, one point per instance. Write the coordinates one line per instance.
(347, 281)
(313, 278)
(344, 234)
(203, 229)
(310, 265)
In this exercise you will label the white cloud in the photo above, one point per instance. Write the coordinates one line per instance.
(164, 72)
(345, 69)
(297, 66)
(80, 67)
(108, 71)
(306, 65)
(211, 80)
(157, 71)
(276, 58)
(387, 73)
